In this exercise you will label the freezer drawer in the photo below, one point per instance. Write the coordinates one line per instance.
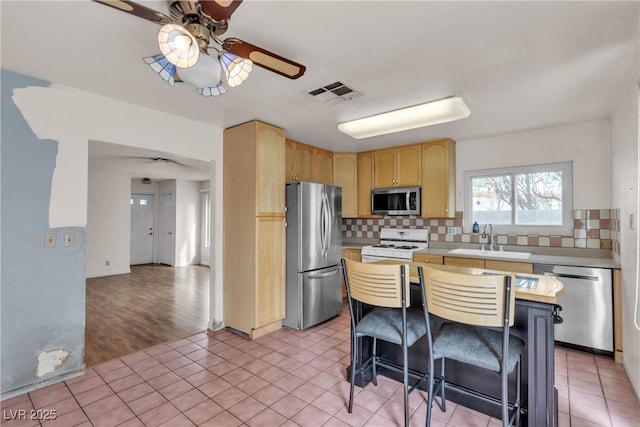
(316, 297)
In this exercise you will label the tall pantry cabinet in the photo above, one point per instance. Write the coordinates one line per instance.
(254, 228)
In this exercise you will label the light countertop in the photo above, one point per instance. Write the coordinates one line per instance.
(536, 258)
(548, 290)
(539, 255)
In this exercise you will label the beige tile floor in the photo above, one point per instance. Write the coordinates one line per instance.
(288, 378)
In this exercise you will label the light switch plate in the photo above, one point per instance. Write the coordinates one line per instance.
(50, 240)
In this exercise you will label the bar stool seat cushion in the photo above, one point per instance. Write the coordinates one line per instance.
(476, 346)
(386, 324)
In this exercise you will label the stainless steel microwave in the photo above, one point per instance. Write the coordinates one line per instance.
(395, 201)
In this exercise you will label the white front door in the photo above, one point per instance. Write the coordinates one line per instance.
(142, 232)
(166, 229)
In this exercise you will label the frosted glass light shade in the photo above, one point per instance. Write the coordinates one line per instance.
(205, 73)
(161, 65)
(216, 90)
(236, 69)
(178, 46)
(430, 113)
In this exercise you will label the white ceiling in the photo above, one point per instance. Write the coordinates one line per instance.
(142, 163)
(519, 65)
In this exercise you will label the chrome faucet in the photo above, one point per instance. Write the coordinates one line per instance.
(492, 243)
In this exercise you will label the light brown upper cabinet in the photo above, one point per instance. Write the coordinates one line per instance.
(299, 162)
(398, 167)
(439, 179)
(307, 163)
(345, 175)
(365, 182)
(323, 167)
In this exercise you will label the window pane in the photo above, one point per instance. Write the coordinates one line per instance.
(143, 202)
(491, 199)
(539, 198)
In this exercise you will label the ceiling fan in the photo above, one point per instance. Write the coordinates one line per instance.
(150, 160)
(190, 32)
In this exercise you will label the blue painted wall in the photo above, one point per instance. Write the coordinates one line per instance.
(42, 290)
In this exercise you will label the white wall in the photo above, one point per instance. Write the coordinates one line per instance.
(205, 251)
(63, 114)
(108, 223)
(187, 198)
(586, 144)
(624, 159)
(166, 187)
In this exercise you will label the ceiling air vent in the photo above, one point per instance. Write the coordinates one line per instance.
(334, 93)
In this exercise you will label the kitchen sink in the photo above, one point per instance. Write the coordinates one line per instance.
(490, 254)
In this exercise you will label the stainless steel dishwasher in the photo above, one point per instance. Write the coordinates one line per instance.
(587, 306)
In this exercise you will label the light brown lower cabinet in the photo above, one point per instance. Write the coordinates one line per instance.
(464, 262)
(349, 253)
(428, 259)
(490, 264)
(511, 266)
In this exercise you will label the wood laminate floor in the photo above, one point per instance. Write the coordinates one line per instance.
(152, 305)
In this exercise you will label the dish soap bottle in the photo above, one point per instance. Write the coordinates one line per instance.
(475, 227)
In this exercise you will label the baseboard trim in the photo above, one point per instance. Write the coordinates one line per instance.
(108, 273)
(35, 386)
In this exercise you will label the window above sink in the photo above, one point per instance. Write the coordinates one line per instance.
(533, 199)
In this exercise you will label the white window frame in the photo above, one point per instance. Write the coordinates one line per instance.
(566, 229)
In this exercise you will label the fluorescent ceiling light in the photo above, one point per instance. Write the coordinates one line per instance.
(430, 113)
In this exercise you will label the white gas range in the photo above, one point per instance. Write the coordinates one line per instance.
(396, 243)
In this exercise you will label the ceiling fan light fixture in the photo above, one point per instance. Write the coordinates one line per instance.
(236, 69)
(161, 65)
(178, 46)
(216, 90)
(207, 72)
(417, 116)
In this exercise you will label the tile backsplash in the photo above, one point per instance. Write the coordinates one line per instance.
(592, 229)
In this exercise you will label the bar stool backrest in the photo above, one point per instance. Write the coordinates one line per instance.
(471, 299)
(378, 284)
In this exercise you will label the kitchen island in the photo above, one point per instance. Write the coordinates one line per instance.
(535, 313)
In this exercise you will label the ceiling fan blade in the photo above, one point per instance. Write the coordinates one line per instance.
(265, 59)
(137, 10)
(219, 10)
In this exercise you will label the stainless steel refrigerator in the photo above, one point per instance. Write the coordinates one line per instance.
(314, 249)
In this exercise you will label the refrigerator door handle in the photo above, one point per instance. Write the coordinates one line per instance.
(328, 219)
(323, 225)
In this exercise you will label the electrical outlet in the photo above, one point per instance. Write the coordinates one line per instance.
(451, 230)
(70, 239)
(50, 240)
(107, 263)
